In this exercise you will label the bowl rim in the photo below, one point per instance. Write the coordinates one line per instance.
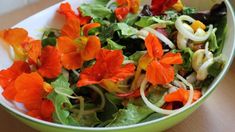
(209, 91)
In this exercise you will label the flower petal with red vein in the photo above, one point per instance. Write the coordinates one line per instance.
(108, 66)
(72, 61)
(47, 109)
(172, 58)
(15, 36)
(83, 19)
(86, 78)
(121, 13)
(180, 95)
(71, 29)
(154, 46)
(88, 27)
(159, 6)
(50, 62)
(66, 45)
(35, 114)
(92, 48)
(9, 92)
(9, 75)
(29, 89)
(123, 72)
(66, 9)
(158, 73)
(34, 50)
(134, 6)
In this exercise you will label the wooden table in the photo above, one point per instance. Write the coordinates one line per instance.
(215, 115)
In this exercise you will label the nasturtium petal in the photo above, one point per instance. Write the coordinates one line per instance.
(71, 28)
(172, 58)
(154, 46)
(91, 49)
(50, 62)
(158, 73)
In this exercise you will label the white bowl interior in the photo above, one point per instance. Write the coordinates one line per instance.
(49, 18)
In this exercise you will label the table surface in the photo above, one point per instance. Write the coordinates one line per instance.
(215, 115)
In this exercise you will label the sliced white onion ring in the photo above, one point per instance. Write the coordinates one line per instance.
(161, 37)
(180, 27)
(158, 109)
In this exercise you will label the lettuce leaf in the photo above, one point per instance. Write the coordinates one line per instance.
(213, 46)
(126, 30)
(136, 56)
(95, 10)
(113, 45)
(134, 113)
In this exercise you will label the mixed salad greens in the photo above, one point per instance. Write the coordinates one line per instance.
(116, 63)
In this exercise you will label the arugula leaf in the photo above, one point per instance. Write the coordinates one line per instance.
(213, 42)
(95, 10)
(126, 30)
(136, 56)
(113, 45)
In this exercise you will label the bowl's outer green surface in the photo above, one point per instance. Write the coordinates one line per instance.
(51, 19)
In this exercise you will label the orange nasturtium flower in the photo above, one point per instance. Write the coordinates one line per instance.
(126, 6)
(8, 77)
(107, 70)
(182, 95)
(31, 90)
(66, 10)
(74, 53)
(46, 60)
(75, 49)
(158, 66)
(16, 38)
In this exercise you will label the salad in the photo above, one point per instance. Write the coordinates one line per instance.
(115, 62)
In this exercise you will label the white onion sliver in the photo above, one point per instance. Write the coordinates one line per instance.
(149, 104)
(161, 37)
(180, 27)
(202, 72)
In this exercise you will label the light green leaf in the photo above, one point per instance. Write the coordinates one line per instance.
(126, 30)
(113, 45)
(136, 56)
(213, 46)
(62, 86)
(95, 10)
(145, 21)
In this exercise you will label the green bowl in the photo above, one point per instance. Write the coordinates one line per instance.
(51, 19)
